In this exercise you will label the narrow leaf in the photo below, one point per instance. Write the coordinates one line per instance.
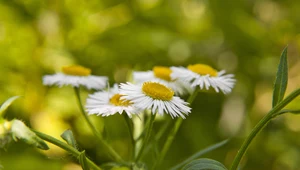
(204, 164)
(286, 111)
(69, 138)
(7, 103)
(281, 79)
(83, 161)
(200, 153)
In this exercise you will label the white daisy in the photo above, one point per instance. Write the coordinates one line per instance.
(156, 97)
(162, 75)
(76, 76)
(108, 103)
(205, 76)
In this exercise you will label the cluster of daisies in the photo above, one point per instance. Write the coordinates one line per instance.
(156, 90)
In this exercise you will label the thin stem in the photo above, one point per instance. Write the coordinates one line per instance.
(95, 131)
(66, 147)
(111, 151)
(173, 133)
(159, 134)
(260, 125)
(147, 136)
(146, 123)
(130, 129)
(168, 143)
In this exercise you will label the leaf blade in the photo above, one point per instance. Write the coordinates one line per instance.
(281, 80)
(68, 136)
(200, 153)
(204, 164)
(7, 103)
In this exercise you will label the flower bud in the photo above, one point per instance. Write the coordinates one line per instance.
(20, 131)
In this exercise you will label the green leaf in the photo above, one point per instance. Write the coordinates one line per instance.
(7, 103)
(286, 111)
(200, 153)
(69, 138)
(281, 79)
(83, 161)
(204, 164)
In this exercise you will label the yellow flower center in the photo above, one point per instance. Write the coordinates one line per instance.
(76, 70)
(203, 69)
(162, 72)
(115, 100)
(157, 91)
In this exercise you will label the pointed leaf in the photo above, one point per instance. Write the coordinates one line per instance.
(83, 161)
(281, 79)
(69, 138)
(286, 111)
(204, 164)
(200, 153)
(7, 103)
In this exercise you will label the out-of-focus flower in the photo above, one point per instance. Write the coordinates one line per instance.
(109, 102)
(76, 76)
(155, 96)
(205, 76)
(163, 75)
(5, 137)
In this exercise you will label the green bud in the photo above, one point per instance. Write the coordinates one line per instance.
(20, 131)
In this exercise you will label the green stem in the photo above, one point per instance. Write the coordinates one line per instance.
(173, 133)
(147, 136)
(130, 129)
(66, 147)
(261, 124)
(159, 134)
(95, 131)
(111, 151)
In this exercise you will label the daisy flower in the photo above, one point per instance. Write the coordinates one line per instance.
(205, 76)
(108, 103)
(162, 75)
(76, 76)
(155, 96)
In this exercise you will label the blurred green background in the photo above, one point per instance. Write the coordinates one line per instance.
(114, 37)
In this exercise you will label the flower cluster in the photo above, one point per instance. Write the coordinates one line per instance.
(157, 90)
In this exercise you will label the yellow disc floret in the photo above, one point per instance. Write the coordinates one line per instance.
(162, 72)
(115, 100)
(203, 69)
(76, 70)
(157, 91)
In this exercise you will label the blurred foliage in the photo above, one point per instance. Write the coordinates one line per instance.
(114, 37)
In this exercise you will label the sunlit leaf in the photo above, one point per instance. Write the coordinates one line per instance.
(7, 103)
(200, 153)
(281, 79)
(83, 161)
(204, 164)
(69, 138)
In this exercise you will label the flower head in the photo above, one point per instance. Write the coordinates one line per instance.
(108, 103)
(155, 96)
(205, 76)
(76, 76)
(163, 75)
